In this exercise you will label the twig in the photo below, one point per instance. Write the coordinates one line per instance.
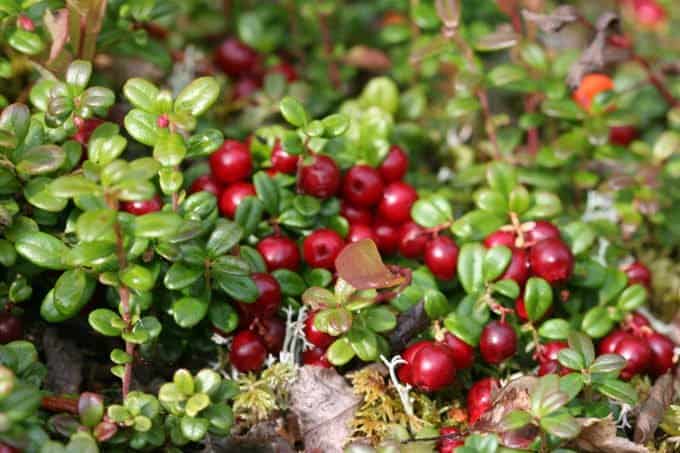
(656, 81)
(333, 72)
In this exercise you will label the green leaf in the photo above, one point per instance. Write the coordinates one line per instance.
(583, 345)
(508, 288)
(73, 291)
(169, 148)
(223, 316)
(379, 318)
(340, 352)
(608, 363)
(90, 409)
(267, 192)
(204, 143)
(106, 322)
(40, 160)
(431, 212)
(293, 112)
(290, 282)
(241, 288)
(71, 186)
(335, 124)
(465, 328)
(462, 106)
(249, 213)
(137, 277)
(26, 42)
(632, 297)
(562, 108)
(515, 419)
(198, 96)
(491, 201)
(538, 297)
(496, 260)
(142, 126)
(334, 321)
(105, 144)
(141, 93)
(194, 429)
(476, 225)
(196, 404)
(597, 322)
(157, 225)
(471, 267)
(364, 343)
(181, 275)
(580, 236)
(571, 359)
(555, 329)
(615, 283)
(436, 304)
(618, 390)
(97, 99)
(223, 238)
(561, 425)
(571, 384)
(545, 205)
(38, 194)
(501, 177)
(95, 225)
(42, 250)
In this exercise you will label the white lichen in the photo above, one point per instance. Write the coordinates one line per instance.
(402, 389)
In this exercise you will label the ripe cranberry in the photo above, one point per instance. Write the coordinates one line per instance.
(362, 186)
(360, 231)
(662, 353)
(498, 342)
(282, 161)
(548, 362)
(479, 398)
(450, 441)
(320, 179)
(279, 252)
(248, 352)
(635, 321)
(235, 58)
(521, 309)
(142, 207)
(638, 273)
(356, 215)
(245, 87)
(649, 12)
(320, 248)
(412, 240)
(85, 128)
(463, 354)
(206, 183)
(285, 69)
(268, 301)
(316, 357)
(551, 260)
(518, 268)
(637, 353)
(387, 237)
(500, 237)
(541, 231)
(395, 165)
(232, 162)
(441, 257)
(316, 337)
(396, 202)
(609, 343)
(404, 372)
(432, 367)
(233, 196)
(622, 135)
(11, 328)
(272, 331)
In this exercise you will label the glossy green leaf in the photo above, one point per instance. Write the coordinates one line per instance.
(42, 249)
(538, 298)
(471, 267)
(198, 96)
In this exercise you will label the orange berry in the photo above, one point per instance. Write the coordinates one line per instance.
(591, 85)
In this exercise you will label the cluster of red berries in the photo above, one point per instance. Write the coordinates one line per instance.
(245, 65)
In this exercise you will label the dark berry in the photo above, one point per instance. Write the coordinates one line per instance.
(432, 367)
(662, 353)
(279, 252)
(638, 273)
(268, 300)
(395, 165)
(285, 69)
(272, 331)
(321, 178)
(450, 440)
(609, 343)
(387, 237)
(233, 195)
(245, 87)
(142, 207)
(541, 231)
(637, 353)
(282, 161)
(85, 128)
(355, 215)
(500, 237)
(404, 372)
(622, 135)
(362, 186)
(360, 231)
(551, 260)
(441, 257)
(521, 309)
(248, 352)
(206, 183)
(463, 354)
(320, 248)
(232, 162)
(518, 268)
(11, 328)
(548, 362)
(412, 240)
(479, 398)
(316, 357)
(235, 58)
(316, 337)
(396, 202)
(497, 342)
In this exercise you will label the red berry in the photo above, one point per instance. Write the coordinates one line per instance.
(479, 398)
(395, 165)
(356, 215)
(245, 87)
(635, 321)
(11, 328)
(662, 353)
(142, 207)
(360, 231)
(25, 23)
(404, 371)
(500, 237)
(412, 240)
(542, 230)
(441, 257)
(551, 260)
(321, 178)
(85, 128)
(450, 441)
(235, 58)
(320, 248)
(362, 186)
(285, 69)
(386, 237)
(638, 273)
(268, 300)
(232, 162)
(609, 343)
(316, 337)
(649, 12)
(548, 358)
(282, 161)
(622, 135)
(637, 353)
(521, 309)
(206, 183)
(4, 448)
(518, 268)
(233, 196)
(498, 342)
(248, 352)
(316, 357)
(432, 367)
(279, 252)
(396, 202)
(272, 331)
(463, 354)
(591, 85)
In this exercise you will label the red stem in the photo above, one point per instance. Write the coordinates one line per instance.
(656, 81)
(60, 404)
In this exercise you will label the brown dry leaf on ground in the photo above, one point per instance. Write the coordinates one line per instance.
(653, 409)
(554, 21)
(599, 436)
(368, 59)
(324, 404)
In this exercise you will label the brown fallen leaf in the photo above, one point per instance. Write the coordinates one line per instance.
(57, 25)
(368, 58)
(653, 409)
(324, 404)
(409, 323)
(598, 435)
(554, 21)
(360, 265)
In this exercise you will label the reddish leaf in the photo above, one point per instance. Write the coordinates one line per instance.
(368, 58)
(105, 431)
(449, 12)
(362, 267)
(57, 25)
